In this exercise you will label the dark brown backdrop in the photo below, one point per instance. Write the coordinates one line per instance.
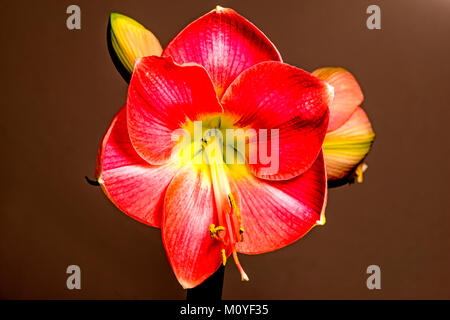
(60, 91)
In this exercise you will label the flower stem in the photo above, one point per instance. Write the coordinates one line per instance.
(210, 290)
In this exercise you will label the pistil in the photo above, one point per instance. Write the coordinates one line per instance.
(230, 230)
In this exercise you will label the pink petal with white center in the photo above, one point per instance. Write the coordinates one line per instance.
(136, 187)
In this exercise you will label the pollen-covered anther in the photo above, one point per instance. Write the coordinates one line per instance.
(241, 232)
(224, 257)
(234, 206)
(359, 172)
(238, 215)
(213, 230)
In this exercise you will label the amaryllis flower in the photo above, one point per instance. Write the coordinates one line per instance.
(222, 72)
(350, 134)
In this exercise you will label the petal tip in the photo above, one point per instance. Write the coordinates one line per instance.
(114, 15)
(322, 221)
(222, 10)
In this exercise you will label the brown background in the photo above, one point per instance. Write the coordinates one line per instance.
(60, 90)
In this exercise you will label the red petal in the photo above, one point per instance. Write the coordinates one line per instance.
(127, 179)
(347, 94)
(161, 98)
(277, 213)
(189, 210)
(225, 43)
(274, 95)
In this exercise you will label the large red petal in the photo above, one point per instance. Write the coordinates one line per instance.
(347, 94)
(189, 210)
(161, 98)
(277, 213)
(274, 95)
(225, 43)
(132, 184)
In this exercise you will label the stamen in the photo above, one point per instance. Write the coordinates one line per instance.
(238, 216)
(215, 182)
(241, 232)
(360, 172)
(233, 230)
(230, 234)
(235, 208)
(224, 257)
(213, 230)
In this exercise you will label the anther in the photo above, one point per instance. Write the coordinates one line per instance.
(213, 230)
(360, 172)
(241, 232)
(224, 257)
(238, 215)
(235, 207)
